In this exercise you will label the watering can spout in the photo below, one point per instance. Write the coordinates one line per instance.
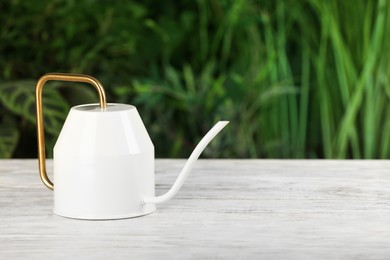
(189, 164)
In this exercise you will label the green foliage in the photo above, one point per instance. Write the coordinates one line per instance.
(297, 79)
(352, 72)
(9, 137)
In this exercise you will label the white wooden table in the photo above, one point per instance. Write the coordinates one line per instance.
(257, 209)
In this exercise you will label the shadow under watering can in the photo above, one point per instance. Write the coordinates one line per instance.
(104, 159)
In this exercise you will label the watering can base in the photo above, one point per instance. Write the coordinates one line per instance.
(106, 217)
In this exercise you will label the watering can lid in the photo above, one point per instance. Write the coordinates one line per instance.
(111, 107)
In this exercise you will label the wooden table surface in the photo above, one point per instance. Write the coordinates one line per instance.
(257, 209)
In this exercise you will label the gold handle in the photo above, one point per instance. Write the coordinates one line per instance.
(40, 129)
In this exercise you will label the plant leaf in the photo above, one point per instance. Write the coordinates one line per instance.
(19, 98)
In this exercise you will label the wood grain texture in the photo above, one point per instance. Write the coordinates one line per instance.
(262, 209)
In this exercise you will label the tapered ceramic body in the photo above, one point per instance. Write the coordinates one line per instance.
(103, 164)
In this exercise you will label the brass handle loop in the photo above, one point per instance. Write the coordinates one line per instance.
(40, 128)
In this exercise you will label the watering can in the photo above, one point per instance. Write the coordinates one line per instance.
(104, 159)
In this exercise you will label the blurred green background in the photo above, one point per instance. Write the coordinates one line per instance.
(297, 79)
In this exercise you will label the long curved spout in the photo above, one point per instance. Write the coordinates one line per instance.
(188, 166)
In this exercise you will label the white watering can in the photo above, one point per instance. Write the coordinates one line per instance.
(104, 159)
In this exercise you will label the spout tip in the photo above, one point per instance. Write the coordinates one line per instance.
(223, 123)
(218, 127)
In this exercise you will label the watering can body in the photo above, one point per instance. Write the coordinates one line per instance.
(103, 164)
(104, 159)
